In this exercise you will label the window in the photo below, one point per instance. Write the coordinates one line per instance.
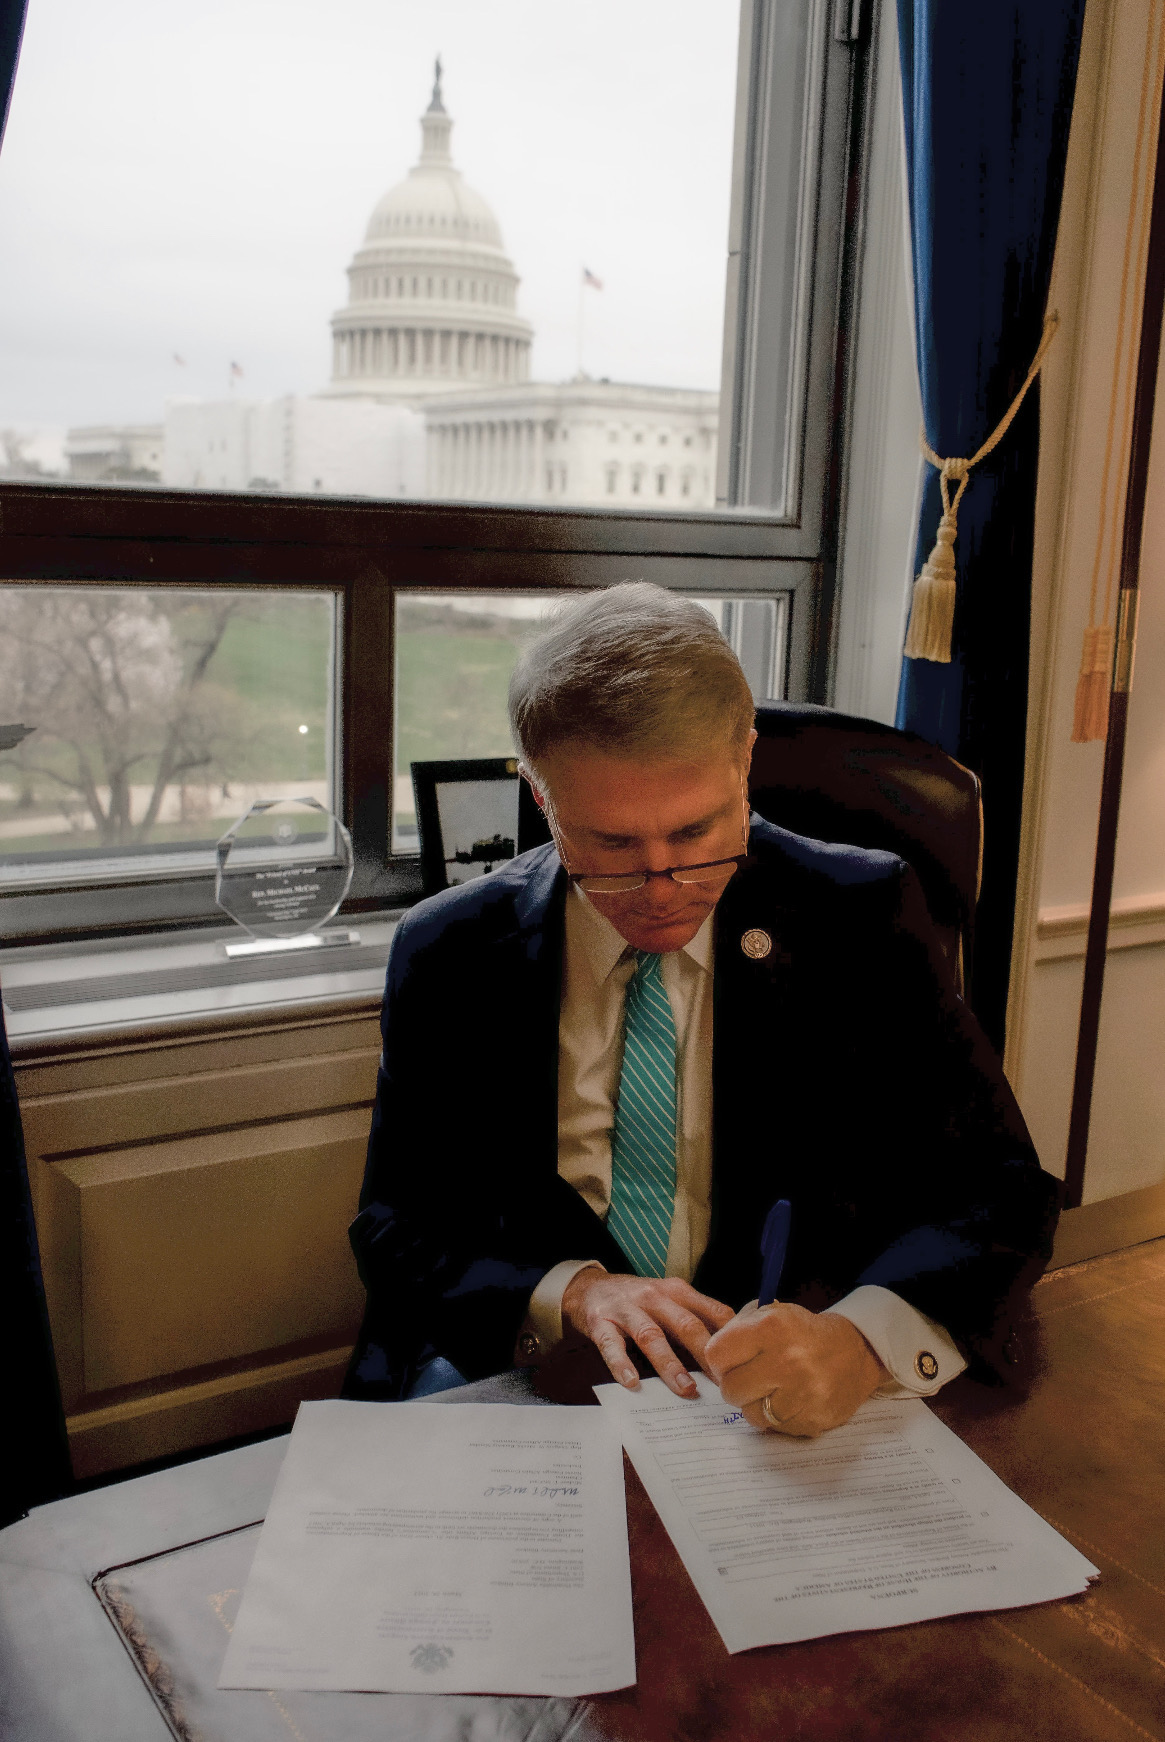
(56, 884)
(265, 192)
(754, 525)
(154, 719)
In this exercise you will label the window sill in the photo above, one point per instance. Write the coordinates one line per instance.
(58, 992)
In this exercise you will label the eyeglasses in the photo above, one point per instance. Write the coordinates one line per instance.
(713, 873)
(716, 872)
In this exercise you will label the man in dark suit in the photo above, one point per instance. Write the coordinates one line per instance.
(605, 1061)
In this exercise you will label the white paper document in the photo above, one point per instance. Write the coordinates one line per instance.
(886, 1520)
(427, 1548)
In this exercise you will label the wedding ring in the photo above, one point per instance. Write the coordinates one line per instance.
(766, 1411)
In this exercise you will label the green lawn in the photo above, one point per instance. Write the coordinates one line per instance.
(451, 695)
(275, 662)
(271, 673)
(278, 655)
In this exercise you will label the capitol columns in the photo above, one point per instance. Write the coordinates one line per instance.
(539, 459)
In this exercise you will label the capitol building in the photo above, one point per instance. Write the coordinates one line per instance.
(430, 392)
(433, 295)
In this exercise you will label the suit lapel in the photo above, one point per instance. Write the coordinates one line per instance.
(757, 1145)
(529, 963)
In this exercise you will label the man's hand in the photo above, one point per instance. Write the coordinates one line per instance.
(816, 1368)
(609, 1309)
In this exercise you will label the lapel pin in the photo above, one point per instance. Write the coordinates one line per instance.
(756, 944)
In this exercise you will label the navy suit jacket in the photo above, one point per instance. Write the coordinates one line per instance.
(848, 1076)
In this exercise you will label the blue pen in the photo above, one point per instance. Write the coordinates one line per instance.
(774, 1243)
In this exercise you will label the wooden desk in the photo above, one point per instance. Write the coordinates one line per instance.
(1085, 1447)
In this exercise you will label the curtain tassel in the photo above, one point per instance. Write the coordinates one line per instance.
(1090, 718)
(932, 603)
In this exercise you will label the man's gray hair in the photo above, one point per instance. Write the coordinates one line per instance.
(633, 670)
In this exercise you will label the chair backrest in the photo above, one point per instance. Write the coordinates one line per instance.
(838, 778)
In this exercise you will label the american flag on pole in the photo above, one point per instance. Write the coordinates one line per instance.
(589, 278)
(236, 371)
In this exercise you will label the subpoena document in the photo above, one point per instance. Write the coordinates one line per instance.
(886, 1520)
(419, 1548)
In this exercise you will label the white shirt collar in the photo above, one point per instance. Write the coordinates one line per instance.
(605, 949)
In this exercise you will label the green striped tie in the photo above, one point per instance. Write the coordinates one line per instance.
(643, 1154)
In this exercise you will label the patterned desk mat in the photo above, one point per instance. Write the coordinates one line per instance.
(174, 1613)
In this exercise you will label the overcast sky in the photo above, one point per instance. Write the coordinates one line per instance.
(194, 178)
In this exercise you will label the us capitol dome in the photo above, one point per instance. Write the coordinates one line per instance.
(430, 392)
(432, 302)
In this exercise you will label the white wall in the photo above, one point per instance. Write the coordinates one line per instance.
(339, 447)
(1087, 383)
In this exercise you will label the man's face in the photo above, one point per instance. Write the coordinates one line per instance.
(614, 813)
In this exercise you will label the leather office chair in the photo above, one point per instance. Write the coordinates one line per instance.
(839, 778)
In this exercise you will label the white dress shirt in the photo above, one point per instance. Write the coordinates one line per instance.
(597, 965)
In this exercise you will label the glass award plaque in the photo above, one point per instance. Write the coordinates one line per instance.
(283, 870)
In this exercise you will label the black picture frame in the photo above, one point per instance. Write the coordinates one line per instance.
(459, 820)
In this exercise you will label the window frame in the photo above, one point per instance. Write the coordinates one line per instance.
(365, 551)
(802, 78)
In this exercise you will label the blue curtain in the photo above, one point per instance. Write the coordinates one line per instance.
(34, 1448)
(987, 99)
(11, 30)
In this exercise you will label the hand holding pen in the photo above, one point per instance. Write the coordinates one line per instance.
(786, 1368)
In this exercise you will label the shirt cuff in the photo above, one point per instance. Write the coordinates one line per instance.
(918, 1354)
(543, 1326)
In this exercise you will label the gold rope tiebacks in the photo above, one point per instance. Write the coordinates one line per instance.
(932, 603)
(1090, 712)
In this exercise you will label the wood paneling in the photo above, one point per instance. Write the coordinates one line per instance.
(207, 1248)
(99, 1117)
(200, 1414)
(193, 1193)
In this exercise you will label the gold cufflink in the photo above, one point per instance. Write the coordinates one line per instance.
(926, 1365)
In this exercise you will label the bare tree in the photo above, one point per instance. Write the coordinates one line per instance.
(116, 684)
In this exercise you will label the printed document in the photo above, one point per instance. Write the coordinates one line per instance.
(423, 1548)
(886, 1520)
